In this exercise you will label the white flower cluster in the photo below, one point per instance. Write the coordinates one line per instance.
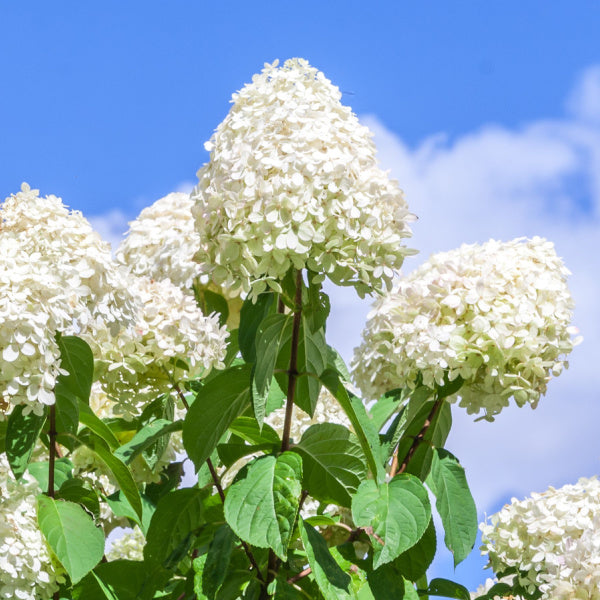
(293, 181)
(171, 340)
(496, 314)
(552, 539)
(27, 570)
(130, 546)
(484, 588)
(56, 275)
(162, 241)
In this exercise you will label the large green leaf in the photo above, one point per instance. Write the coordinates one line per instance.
(332, 581)
(262, 507)
(121, 580)
(270, 335)
(414, 562)
(395, 514)
(252, 314)
(22, 432)
(217, 560)
(66, 416)
(72, 535)
(119, 470)
(145, 437)
(454, 502)
(173, 527)
(333, 463)
(77, 358)
(361, 423)
(217, 405)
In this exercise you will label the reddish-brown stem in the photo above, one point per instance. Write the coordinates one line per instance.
(300, 575)
(418, 439)
(52, 455)
(293, 370)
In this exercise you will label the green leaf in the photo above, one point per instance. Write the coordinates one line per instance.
(217, 561)
(119, 470)
(63, 468)
(215, 303)
(217, 405)
(72, 535)
(67, 415)
(435, 436)
(333, 463)
(252, 315)
(335, 362)
(317, 305)
(454, 502)
(22, 432)
(332, 581)
(270, 335)
(448, 589)
(386, 583)
(77, 358)
(262, 508)
(121, 580)
(96, 425)
(247, 428)
(173, 527)
(75, 490)
(121, 507)
(396, 515)
(145, 437)
(414, 562)
(355, 411)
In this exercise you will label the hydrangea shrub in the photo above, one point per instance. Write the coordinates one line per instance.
(202, 347)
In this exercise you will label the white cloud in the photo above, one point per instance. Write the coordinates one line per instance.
(542, 179)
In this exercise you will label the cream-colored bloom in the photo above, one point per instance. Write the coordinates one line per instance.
(293, 181)
(552, 539)
(56, 275)
(27, 569)
(171, 341)
(496, 314)
(162, 241)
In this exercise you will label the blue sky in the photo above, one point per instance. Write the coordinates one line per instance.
(487, 113)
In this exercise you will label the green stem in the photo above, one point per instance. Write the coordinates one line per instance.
(52, 449)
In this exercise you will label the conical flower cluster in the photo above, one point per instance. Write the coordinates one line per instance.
(293, 182)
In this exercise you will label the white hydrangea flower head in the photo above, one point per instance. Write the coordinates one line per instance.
(162, 240)
(293, 181)
(170, 331)
(130, 546)
(56, 275)
(497, 314)
(28, 570)
(552, 539)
